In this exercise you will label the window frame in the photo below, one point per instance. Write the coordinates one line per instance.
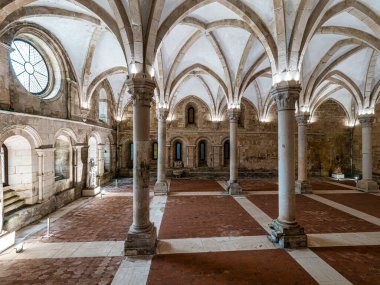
(5, 175)
(176, 151)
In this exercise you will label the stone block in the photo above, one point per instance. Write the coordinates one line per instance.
(90, 192)
(161, 188)
(141, 243)
(287, 235)
(367, 186)
(7, 240)
(303, 187)
(234, 188)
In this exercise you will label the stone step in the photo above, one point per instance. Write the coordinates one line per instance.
(9, 194)
(11, 200)
(14, 206)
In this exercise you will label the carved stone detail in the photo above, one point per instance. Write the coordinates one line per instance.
(286, 94)
(367, 120)
(141, 89)
(302, 119)
(162, 114)
(233, 114)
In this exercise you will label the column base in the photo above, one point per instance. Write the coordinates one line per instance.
(141, 242)
(303, 187)
(367, 186)
(286, 235)
(234, 188)
(90, 192)
(161, 188)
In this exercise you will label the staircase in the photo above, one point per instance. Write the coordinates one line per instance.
(12, 201)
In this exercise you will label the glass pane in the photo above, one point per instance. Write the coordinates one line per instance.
(103, 111)
(131, 149)
(3, 165)
(178, 151)
(191, 115)
(226, 150)
(155, 151)
(202, 149)
(29, 67)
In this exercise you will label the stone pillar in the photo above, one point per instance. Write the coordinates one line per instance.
(142, 236)
(161, 187)
(216, 153)
(190, 154)
(285, 231)
(101, 160)
(1, 195)
(367, 184)
(302, 184)
(5, 100)
(45, 172)
(233, 185)
(78, 166)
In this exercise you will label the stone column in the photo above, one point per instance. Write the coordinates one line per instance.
(1, 195)
(5, 100)
(142, 236)
(285, 231)
(45, 172)
(100, 163)
(233, 185)
(302, 184)
(367, 184)
(161, 187)
(78, 176)
(189, 155)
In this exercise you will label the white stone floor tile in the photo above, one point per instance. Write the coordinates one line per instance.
(260, 192)
(342, 185)
(348, 210)
(211, 193)
(157, 207)
(343, 239)
(213, 244)
(336, 192)
(38, 250)
(255, 212)
(321, 271)
(133, 271)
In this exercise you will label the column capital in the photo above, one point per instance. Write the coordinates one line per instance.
(366, 120)
(233, 114)
(285, 94)
(141, 88)
(162, 114)
(302, 119)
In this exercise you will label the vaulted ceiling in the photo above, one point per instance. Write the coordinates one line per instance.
(219, 50)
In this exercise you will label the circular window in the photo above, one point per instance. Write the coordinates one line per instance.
(30, 67)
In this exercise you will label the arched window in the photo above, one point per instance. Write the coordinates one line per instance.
(62, 158)
(178, 151)
(155, 151)
(103, 105)
(226, 152)
(131, 152)
(29, 66)
(202, 153)
(4, 165)
(191, 116)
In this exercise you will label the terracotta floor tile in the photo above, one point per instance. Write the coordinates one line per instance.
(360, 265)
(258, 185)
(206, 216)
(320, 185)
(94, 270)
(314, 216)
(222, 268)
(188, 185)
(106, 219)
(367, 203)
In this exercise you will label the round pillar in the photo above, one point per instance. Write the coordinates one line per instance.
(233, 185)
(142, 237)
(285, 231)
(302, 184)
(161, 187)
(367, 184)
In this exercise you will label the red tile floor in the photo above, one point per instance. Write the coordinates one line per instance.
(210, 217)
